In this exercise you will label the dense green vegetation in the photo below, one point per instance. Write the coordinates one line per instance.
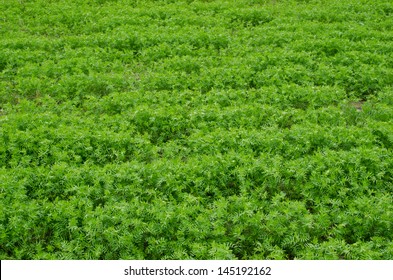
(196, 129)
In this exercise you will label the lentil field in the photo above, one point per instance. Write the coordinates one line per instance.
(250, 129)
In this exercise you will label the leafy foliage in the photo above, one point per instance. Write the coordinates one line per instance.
(251, 129)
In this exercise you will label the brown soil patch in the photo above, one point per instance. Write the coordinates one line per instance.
(358, 105)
